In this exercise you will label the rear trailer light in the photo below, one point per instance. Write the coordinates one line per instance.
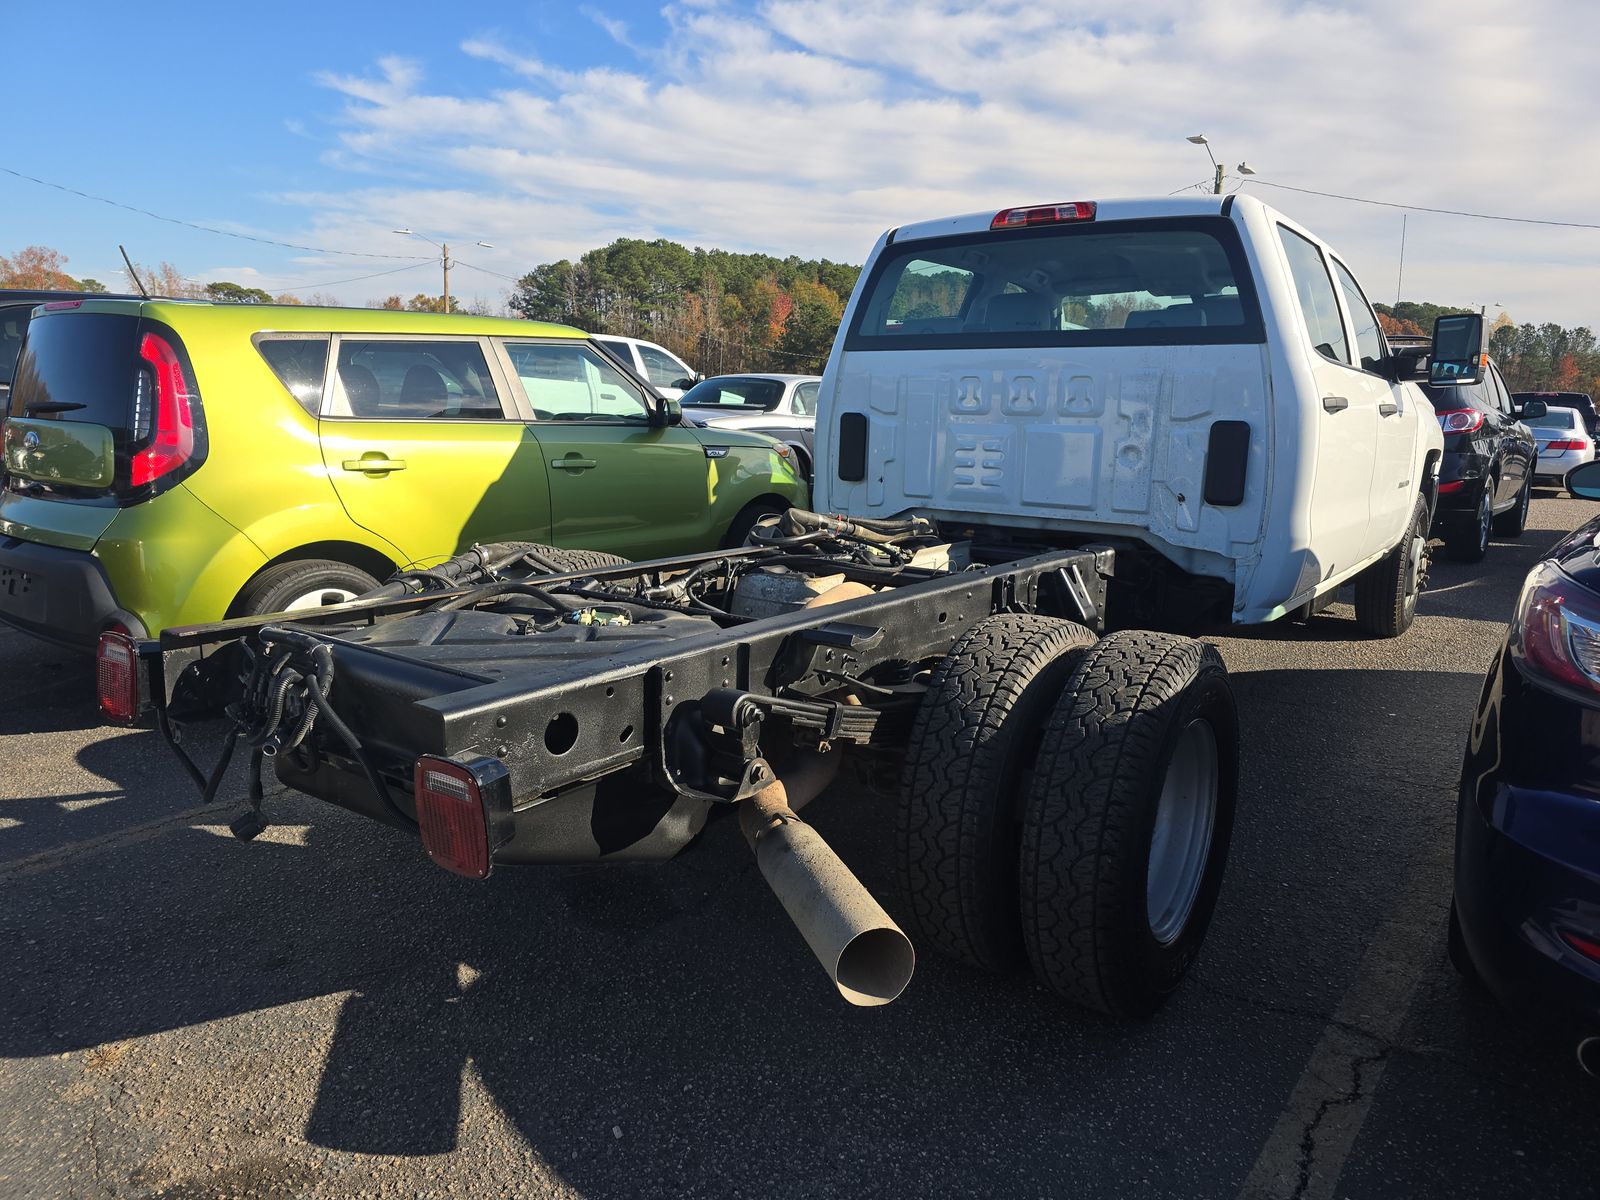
(463, 811)
(172, 418)
(1460, 420)
(117, 675)
(1556, 632)
(1043, 214)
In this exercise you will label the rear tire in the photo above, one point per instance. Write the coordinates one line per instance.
(1127, 821)
(1468, 542)
(1387, 591)
(1515, 523)
(965, 765)
(302, 585)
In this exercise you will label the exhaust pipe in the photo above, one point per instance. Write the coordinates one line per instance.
(864, 952)
(1589, 1056)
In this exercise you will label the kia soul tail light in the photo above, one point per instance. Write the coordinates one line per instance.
(1556, 632)
(164, 411)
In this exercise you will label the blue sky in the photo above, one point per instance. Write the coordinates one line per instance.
(790, 126)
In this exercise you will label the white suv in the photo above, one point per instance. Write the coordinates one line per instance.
(1199, 382)
(667, 373)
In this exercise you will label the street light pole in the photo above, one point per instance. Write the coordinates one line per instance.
(1200, 139)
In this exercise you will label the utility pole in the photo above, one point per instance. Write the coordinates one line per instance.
(444, 258)
(1216, 188)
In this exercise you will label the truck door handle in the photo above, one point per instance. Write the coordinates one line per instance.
(374, 464)
(573, 463)
(1335, 403)
(1387, 408)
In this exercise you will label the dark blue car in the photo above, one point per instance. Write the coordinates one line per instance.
(1526, 917)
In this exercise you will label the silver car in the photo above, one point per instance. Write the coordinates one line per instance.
(780, 406)
(1564, 443)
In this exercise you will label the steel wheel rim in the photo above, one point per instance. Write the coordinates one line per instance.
(1419, 547)
(1180, 843)
(317, 598)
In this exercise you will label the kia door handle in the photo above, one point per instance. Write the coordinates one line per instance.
(374, 464)
(573, 463)
(1388, 408)
(1335, 403)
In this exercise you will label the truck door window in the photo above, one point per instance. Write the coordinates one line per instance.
(570, 382)
(662, 369)
(1369, 337)
(1318, 305)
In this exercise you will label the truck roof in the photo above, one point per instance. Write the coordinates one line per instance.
(1123, 209)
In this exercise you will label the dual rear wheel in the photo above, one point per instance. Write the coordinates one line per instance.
(1068, 802)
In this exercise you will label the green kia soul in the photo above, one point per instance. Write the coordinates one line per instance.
(174, 462)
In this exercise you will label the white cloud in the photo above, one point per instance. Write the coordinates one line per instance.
(809, 126)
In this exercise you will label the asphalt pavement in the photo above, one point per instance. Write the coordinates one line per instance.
(323, 1013)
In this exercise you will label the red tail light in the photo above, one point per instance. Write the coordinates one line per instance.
(463, 811)
(1044, 214)
(1568, 444)
(117, 673)
(1460, 420)
(1556, 632)
(172, 439)
(1455, 485)
(1587, 947)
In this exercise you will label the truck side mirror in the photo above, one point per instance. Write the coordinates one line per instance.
(1457, 355)
(1531, 409)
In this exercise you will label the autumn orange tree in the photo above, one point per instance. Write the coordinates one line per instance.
(39, 268)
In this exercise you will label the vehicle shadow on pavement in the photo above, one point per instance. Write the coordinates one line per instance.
(676, 1005)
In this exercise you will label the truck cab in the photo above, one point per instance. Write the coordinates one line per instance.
(1199, 379)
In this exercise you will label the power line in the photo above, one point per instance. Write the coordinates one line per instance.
(1449, 212)
(460, 262)
(245, 237)
(302, 287)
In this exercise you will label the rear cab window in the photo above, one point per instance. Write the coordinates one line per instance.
(1171, 281)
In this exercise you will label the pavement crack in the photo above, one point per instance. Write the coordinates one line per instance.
(1355, 1095)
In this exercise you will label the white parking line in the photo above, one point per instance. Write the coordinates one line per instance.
(1312, 1140)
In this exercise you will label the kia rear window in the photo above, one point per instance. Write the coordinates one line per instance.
(1121, 283)
(300, 364)
(79, 367)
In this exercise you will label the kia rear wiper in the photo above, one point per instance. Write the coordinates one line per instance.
(47, 407)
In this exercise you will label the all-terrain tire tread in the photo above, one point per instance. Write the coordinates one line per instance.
(967, 755)
(1081, 808)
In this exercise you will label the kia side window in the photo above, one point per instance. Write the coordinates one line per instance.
(404, 380)
(662, 369)
(570, 382)
(300, 363)
(1318, 305)
(1369, 337)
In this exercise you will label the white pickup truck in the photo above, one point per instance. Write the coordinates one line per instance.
(1200, 382)
(1046, 427)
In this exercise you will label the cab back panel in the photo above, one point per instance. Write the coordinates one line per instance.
(1098, 439)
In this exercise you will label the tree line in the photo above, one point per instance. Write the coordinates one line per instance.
(727, 312)
(1533, 358)
(721, 311)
